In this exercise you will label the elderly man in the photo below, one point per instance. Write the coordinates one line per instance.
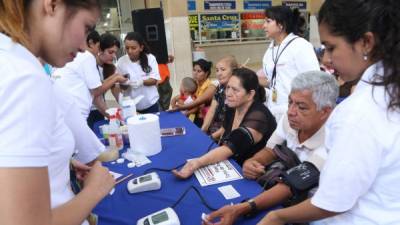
(311, 100)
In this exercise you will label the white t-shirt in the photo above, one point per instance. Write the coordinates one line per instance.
(33, 130)
(27, 108)
(78, 78)
(87, 145)
(150, 93)
(70, 132)
(61, 153)
(298, 57)
(188, 100)
(361, 177)
(311, 150)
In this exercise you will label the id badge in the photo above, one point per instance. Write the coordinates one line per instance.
(274, 95)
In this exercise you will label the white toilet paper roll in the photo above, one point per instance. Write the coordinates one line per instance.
(144, 134)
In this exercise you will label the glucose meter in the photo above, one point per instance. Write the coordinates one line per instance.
(147, 182)
(165, 216)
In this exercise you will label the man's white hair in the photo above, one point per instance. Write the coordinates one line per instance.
(323, 87)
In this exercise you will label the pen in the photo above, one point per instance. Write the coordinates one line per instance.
(124, 178)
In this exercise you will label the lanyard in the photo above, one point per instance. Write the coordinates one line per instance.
(100, 74)
(275, 60)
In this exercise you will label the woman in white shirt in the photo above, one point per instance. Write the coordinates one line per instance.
(82, 79)
(29, 114)
(360, 181)
(143, 72)
(287, 56)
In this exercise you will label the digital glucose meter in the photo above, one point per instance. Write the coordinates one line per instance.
(147, 182)
(165, 216)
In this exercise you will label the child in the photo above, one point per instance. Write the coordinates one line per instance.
(187, 91)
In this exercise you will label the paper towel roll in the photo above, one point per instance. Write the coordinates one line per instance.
(144, 134)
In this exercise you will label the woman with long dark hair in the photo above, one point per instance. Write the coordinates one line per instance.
(142, 68)
(359, 182)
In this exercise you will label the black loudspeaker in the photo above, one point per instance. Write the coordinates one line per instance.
(150, 23)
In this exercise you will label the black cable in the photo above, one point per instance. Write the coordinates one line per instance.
(198, 193)
(170, 169)
(163, 169)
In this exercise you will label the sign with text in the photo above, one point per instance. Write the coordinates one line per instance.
(220, 26)
(191, 5)
(220, 21)
(219, 4)
(194, 27)
(295, 4)
(253, 24)
(256, 4)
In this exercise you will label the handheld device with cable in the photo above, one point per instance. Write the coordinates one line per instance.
(147, 182)
(179, 165)
(165, 216)
(168, 215)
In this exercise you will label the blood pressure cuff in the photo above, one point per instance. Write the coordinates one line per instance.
(239, 140)
(302, 177)
(286, 159)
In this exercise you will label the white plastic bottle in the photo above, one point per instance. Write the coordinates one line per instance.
(114, 134)
(128, 108)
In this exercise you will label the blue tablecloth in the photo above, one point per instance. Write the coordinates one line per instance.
(123, 208)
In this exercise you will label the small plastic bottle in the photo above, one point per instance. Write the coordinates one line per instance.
(114, 134)
(128, 108)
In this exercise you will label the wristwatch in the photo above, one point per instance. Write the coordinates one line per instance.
(253, 207)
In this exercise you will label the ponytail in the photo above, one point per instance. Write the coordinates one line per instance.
(14, 16)
(143, 60)
(298, 22)
(13, 20)
(387, 48)
(260, 94)
(291, 21)
(352, 19)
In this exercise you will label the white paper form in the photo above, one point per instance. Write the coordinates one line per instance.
(217, 173)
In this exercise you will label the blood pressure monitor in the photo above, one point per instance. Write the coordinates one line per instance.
(165, 216)
(147, 182)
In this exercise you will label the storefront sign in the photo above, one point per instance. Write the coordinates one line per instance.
(295, 4)
(219, 4)
(191, 5)
(252, 24)
(219, 26)
(220, 21)
(252, 15)
(194, 27)
(256, 4)
(194, 22)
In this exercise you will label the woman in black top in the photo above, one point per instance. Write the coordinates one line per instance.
(248, 124)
